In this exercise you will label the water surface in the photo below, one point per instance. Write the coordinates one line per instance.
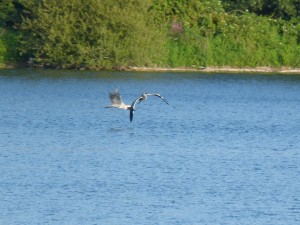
(226, 150)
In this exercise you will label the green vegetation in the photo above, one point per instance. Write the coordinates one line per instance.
(113, 34)
(9, 47)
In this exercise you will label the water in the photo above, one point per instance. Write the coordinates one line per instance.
(226, 150)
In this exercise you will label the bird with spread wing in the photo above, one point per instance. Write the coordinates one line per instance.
(116, 101)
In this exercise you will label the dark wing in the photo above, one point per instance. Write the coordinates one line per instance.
(115, 98)
(158, 95)
(132, 107)
(135, 101)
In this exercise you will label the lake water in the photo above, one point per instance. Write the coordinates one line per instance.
(225, 151)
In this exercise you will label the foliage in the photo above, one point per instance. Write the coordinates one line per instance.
(285, 9)
(210, 36)
(8, 47)
(7, 12)
(93, 33)
(10, 12)
(106, 34)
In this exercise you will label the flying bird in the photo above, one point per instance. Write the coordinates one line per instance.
(116, 101)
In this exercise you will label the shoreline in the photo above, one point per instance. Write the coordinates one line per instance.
(209, 69)
(284, 70)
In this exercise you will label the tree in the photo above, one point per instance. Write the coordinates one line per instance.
(91, 33)
(8, 13)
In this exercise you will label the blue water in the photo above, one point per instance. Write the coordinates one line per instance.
(225, 151)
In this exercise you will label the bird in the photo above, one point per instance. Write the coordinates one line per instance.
(116, 101)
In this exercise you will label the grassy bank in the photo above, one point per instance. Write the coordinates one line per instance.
(112, 35)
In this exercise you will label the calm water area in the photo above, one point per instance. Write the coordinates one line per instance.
(225, 151)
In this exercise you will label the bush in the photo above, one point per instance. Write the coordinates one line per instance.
(93, 33)
(107, 34)
(8, 47)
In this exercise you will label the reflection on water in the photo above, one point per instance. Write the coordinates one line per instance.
(226, 150)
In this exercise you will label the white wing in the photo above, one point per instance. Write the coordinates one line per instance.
(158, 95)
